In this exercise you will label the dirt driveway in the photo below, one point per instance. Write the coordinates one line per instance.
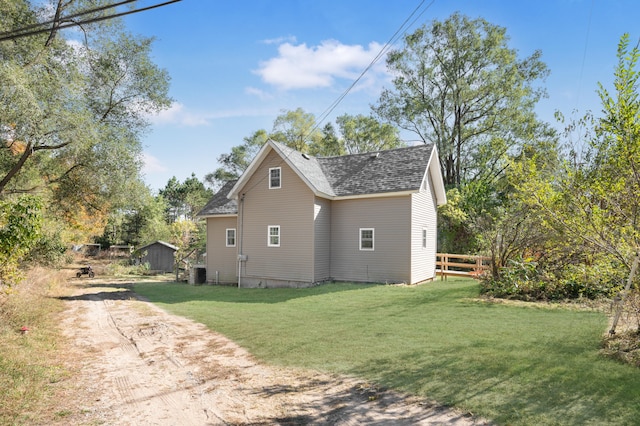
(138, 365)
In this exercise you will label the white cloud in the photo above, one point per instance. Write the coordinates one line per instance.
(152, 164)
(178, 114)
(280, 40)
(260, 94)
(303, 67)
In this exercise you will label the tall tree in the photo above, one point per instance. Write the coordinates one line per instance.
(72, 109)
(296, 129)
(596, 199)
(366, 134)
(330, 145)
(459, 85)
(184, 199)
(233, 164)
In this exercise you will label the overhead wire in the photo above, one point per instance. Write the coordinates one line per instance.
(323, 116)
(584, 53)
(14, 35)
(18, 32)
(385, 48)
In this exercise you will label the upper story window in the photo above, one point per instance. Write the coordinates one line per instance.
(275, 177)
(424, 238)
(366, 238)
(273, 237)
(231, 237)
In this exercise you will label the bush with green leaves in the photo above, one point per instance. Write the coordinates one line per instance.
(526, 279)
(20, 230)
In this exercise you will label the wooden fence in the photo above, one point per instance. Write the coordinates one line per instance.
(461, 264)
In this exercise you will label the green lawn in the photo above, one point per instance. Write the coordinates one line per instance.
(513, 364)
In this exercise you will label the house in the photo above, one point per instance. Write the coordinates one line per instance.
(159, 255)
(293, 220)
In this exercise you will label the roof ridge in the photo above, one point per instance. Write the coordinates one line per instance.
(378, 151)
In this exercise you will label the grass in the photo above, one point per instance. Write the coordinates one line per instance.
(30, 366)
(517, 365)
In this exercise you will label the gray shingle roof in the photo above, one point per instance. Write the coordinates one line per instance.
(220, 204)
(309, 167)
(171, 246)
(394, 170)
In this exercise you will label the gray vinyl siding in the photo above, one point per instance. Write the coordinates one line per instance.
(390, 259)
(221, 258)
(159, 257)
(292, 208)
(322, 240)
(424, 216)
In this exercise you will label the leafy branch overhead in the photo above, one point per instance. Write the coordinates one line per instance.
(74, 105)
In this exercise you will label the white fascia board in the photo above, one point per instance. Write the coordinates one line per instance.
(433, 169)
(363, 196)
(262, 154)
(219, 215)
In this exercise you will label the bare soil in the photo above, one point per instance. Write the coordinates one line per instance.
(135, 364)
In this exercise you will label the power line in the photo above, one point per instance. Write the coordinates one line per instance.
(18, 31)
(20, 34)
(584, 53)
(402, 29)
(323, 116)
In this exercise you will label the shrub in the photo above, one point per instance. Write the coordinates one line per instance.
(526, 279)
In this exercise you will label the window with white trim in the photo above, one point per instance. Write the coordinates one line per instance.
(273, 237)
(424, 238)
(231, 237)
(366, 239)
(275, 178)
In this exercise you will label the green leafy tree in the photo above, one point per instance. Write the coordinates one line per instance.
(458, 84)
(580, 213)
(296, 129)
(366, 134)
(185, 199)
(233, 164)
(73, 108)
(330, 145)
(20, 229)
(141, 222)
(595, 197)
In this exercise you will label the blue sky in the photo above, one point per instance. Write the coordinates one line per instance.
(236, 65)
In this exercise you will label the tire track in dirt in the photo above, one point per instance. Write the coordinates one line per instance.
(143, 366)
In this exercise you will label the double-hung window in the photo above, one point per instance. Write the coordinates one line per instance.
(366, 239)
(424, 238)
(231, 237)
(273, 236)
(275, 178)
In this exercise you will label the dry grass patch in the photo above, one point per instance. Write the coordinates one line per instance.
(33, 368)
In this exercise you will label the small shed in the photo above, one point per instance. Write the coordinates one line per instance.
(159, 255)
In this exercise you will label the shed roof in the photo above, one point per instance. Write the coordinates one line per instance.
(171, 246)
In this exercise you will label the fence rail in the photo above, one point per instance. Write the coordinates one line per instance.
(461, 264)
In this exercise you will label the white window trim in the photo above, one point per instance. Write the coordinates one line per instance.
(373, 239)
(269, 228)
(279, 177)
(424, 236)
(226, 235)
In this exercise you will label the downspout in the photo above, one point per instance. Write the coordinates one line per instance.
(240, 232)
